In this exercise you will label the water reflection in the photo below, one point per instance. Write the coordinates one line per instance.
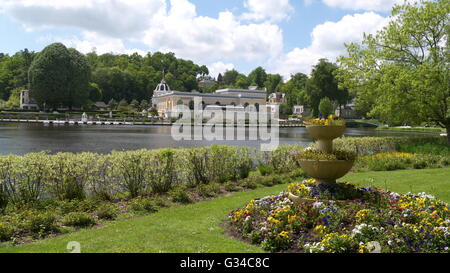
(22, 138)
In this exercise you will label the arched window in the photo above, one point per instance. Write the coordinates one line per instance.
(257, 107)
(191, 105)
(233, 104)
(179, 102)
(246, 104)
(217, 103)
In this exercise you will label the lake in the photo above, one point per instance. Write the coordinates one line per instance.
(22, 138)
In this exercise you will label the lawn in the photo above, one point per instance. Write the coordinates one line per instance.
(432, 181)
(196, 227)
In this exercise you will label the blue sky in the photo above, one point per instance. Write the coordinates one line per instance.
(283, 36)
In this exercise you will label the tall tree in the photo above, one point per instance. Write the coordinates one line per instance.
(230, 77)
(323, 83)
(59, 77)
(258, 77)
(273, 82)
(404, 69)
(295, 90)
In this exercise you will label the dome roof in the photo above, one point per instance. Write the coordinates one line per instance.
(162, 87)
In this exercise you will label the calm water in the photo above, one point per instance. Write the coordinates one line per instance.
(22, 138)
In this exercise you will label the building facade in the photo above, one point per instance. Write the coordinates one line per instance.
(302, 110)
(166, 100)
(27, 101)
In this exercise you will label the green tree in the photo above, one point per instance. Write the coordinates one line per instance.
(230, 77)
(144, 105)
(403, 70)
(326, 107)
(242, 82)
(154, 111)
(112, 104)
(323, 83)
(294, 89)
(59, 76)
(135, 104)
(258, 77)
(95, 92)
(14, 72)
(273, 82)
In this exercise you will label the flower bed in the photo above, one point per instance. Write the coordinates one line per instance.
(329, 121)
(313, 154)
(342, 218)
(399, 161)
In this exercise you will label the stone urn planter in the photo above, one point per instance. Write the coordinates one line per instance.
(325, 171)
(324, 134)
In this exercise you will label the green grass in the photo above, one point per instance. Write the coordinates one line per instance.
(432, 181)
(189, 229)
(196, 228)
(413, 129)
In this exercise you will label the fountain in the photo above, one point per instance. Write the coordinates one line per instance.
(328, 166)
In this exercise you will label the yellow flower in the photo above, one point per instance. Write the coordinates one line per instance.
(321, 229)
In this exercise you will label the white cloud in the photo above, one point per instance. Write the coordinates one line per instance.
(160, 25)
(91, 41)
(273, 10)
(207, 39)
(369, 5)
(118, 18)
(328, 42)
(219, 67)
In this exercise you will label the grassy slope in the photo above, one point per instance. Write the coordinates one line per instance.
(196, 227)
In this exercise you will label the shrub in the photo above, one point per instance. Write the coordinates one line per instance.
(280, 160)
(24, 177)
(250, 183)
(231, 186)
(3, 198)
(142, 204)
(398, 161)
(180, 195)
(197, 164)
(78, 219)
(374, 145)
(101, 181)
(244, 163)
(6, 231)
(266, 181)
(68, 176)
(131, 168)
(41, 222)
(209, 190)
(265, 170)
(106, 211)
(161, 172)
(426, 148)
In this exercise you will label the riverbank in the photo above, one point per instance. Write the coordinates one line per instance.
(412, 129)
(127, 122)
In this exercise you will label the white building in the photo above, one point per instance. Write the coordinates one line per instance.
(302, 110)
(27, 101)
(166, 100)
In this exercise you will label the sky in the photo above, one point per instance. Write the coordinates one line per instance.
(282, 36)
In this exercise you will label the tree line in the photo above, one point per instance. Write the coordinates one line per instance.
(63, 77)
